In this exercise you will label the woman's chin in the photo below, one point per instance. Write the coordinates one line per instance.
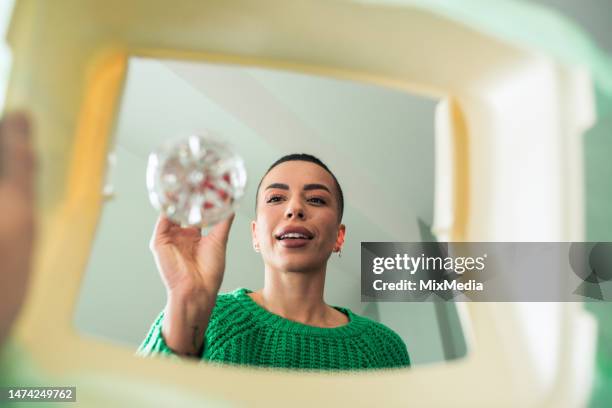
(298, 263)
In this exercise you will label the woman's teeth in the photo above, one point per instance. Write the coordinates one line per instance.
(293, 236)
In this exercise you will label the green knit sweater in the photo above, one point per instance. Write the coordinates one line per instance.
(242, 332)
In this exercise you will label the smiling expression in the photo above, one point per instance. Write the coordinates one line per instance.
(296, 227)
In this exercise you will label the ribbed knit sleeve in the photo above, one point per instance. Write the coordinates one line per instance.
(154, 343)
(392, 349)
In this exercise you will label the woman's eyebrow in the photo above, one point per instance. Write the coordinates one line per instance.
(278, 185)
(316, 187)
(307, 187)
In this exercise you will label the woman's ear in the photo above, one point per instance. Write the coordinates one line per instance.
(340, 238)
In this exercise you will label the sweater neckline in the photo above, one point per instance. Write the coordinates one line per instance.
(355, 325)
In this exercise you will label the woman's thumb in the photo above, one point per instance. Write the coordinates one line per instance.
(222, 229)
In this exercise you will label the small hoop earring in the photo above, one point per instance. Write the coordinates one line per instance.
(256, 248)
(339, 252)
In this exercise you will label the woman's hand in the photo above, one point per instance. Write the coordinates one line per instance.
(191, 267)
(187, 261)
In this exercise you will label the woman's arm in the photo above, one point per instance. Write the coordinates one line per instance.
(186, 319)
(191, 267)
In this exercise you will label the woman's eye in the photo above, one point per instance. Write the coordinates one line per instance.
(317, 200)
(274, 199)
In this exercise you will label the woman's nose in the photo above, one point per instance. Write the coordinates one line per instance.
(295, 210)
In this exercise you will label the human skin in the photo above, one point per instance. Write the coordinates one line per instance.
(192, 267)
(17, 168)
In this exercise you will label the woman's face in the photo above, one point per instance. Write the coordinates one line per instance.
(296, 227)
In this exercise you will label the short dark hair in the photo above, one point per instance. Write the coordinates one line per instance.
(311, 159)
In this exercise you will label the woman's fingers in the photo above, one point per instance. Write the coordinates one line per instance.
(163, 225)
(162, 230)
(167, 230)
(222, 229)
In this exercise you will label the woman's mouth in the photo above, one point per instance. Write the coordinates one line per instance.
(294, 239)
(294, 242)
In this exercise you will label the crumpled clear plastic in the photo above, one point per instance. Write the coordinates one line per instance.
(196, 181)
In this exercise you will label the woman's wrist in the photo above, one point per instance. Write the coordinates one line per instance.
(190, 306)
(187, 293)
(185, 321)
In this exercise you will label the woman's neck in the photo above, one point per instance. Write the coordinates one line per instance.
(298, 296)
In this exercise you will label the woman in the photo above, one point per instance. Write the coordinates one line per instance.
(298, 207)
